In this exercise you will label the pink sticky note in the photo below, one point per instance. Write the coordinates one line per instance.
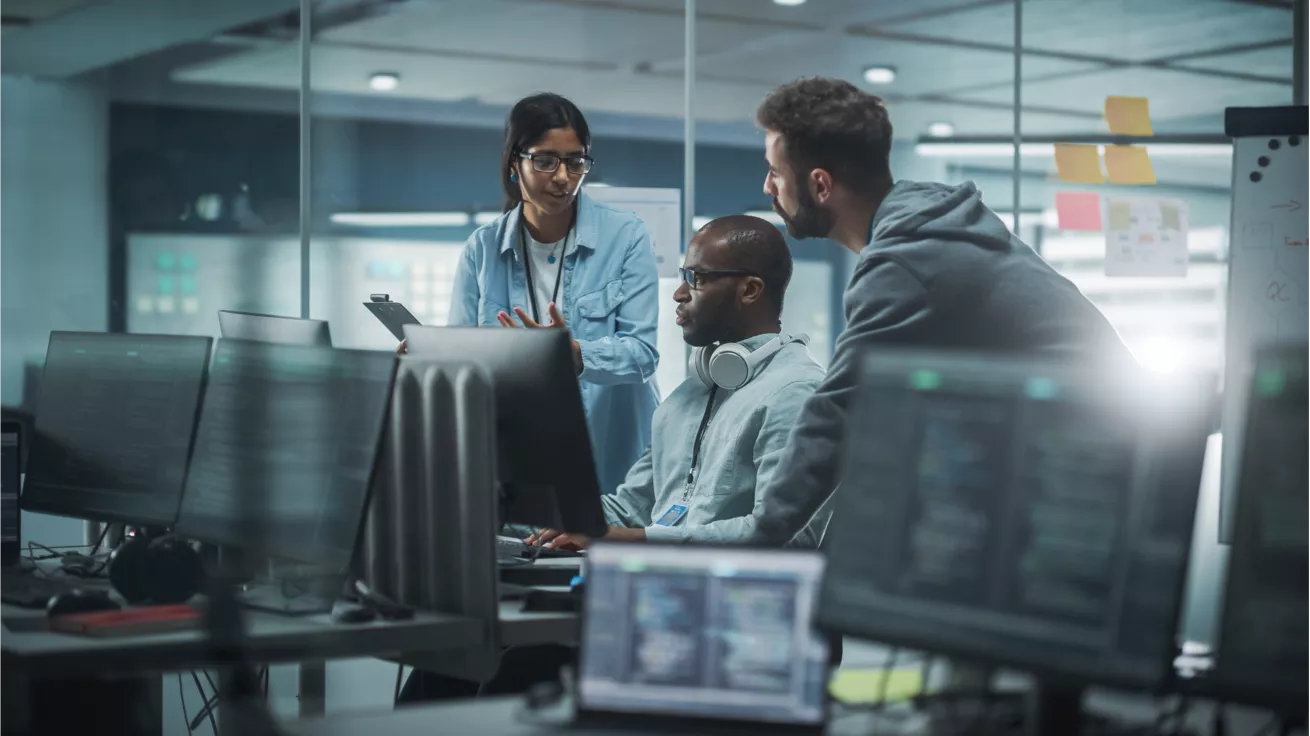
(1079, 211)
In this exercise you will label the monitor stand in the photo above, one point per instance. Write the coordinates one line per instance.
(1055, 706)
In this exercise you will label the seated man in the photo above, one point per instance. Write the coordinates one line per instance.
(711, 446)
(716, 439)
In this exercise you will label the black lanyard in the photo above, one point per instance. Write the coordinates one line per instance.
(527, 268)
(695, 448)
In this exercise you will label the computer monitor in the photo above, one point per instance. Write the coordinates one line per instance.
(114, 424)
(1262, 654)
(286, 449)
(546, 470)
(724, 633)
(1027, 514)
(272, 328)
(11, 475)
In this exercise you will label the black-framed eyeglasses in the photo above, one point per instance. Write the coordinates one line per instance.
(548, 163)
(695, 279)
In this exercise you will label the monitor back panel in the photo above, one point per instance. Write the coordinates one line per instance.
(273, 328)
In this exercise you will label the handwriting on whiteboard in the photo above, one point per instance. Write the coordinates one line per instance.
(1291, 206)
(1275, 292)
(1293, 243)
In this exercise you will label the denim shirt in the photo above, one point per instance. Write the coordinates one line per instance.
(610, 306)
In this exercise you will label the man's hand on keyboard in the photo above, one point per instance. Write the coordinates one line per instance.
(551, 539)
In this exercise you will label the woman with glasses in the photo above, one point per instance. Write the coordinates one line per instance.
(556, 258)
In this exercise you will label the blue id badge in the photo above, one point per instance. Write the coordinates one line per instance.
(672, 516)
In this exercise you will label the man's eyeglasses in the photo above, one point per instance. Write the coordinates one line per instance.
(695, 279)
(548, 163)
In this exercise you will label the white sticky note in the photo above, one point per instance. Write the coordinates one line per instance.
(419, 269)
(166, 304)
(420, 288)
(190, 305)
(1145, 237)
(145, 305)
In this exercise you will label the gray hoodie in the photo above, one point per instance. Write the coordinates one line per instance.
(940, 271)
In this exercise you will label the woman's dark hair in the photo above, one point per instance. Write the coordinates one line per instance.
(530, 120)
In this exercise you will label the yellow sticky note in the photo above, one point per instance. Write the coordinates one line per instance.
(1128, 115)
(863, 686)
(1078, 164)
(1128, 165)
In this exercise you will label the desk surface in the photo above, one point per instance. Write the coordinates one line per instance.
(271, 637)
(506, 716)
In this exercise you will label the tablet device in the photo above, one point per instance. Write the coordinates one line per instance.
(392, 315)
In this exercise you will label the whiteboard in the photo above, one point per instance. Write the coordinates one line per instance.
(1267, 268)
(661, 211)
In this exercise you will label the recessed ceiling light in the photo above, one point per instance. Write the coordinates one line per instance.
(789, 3)
(880, 75)
(384, 81)
(941, 130)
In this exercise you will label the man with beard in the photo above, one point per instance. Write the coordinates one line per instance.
(937, 269)
(716, 440)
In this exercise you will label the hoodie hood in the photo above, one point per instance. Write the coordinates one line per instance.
(926, 210)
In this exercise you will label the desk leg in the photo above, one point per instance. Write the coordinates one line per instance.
(313, 688)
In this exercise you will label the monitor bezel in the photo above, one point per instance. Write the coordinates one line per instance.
(335, 557)
(871, 623)
(10, 552)
(673, 722)
(85, 507)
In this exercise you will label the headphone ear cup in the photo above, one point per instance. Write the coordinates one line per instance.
(730, 366)
(699, 365)
(127, 570)
(173, 571)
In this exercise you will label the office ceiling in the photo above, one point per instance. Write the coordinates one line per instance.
(954, 58)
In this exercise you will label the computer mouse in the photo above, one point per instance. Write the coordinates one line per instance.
(80, 601)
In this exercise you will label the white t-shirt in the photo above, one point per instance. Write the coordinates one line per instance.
(547, 259)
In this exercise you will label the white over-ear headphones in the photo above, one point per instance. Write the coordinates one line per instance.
(732, 365)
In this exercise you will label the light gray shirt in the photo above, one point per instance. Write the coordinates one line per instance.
(742, 444)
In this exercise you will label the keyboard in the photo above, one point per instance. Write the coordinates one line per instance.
(30, 591)
(512, 548)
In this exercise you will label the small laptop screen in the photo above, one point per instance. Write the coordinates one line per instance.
(720, 633)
